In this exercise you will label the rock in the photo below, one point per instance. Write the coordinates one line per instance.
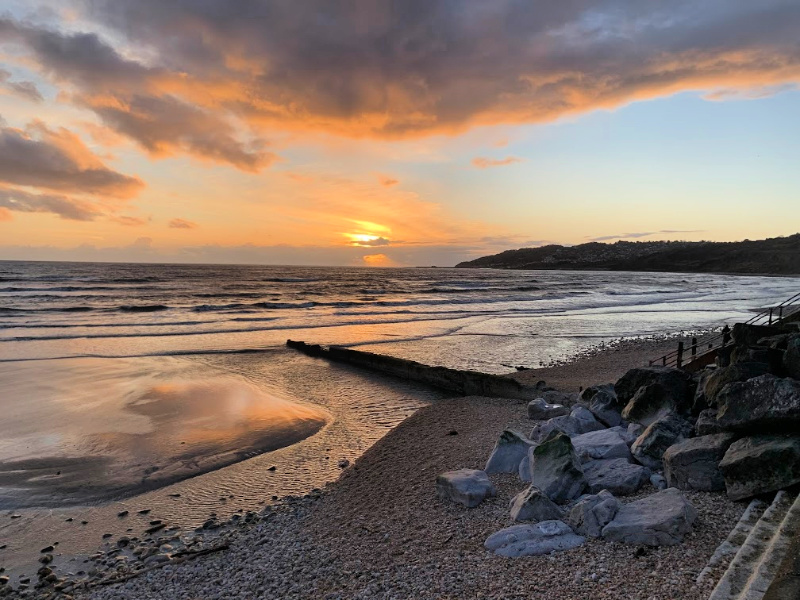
(47, 549)
(555, 397)
(635, 430)
(649, 404)
(649, 447)
(718, 378)
(761, 463)
(592, 513)
(661, 519)
(707, 423)
(693, 464)
(599, 445)
(746, 334)
(567, 425)
(760, 404)
(156, 559)
(587, 395)
(616, 475)
(508, 452)
(556, 469)
(791, 358)
(343, 463)
(533, 540)
(525, 467)
(585, 420)
(540, 410)
(605, 408)
(658, 481)
(465, 486)
(532, 505)
(674, 381)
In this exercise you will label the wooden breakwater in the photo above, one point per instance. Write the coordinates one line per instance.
(466, 383)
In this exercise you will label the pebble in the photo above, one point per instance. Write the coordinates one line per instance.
(123, 513)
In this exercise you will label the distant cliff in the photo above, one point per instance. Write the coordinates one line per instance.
(778, 256)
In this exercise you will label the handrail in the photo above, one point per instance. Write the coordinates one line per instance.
(768, 316)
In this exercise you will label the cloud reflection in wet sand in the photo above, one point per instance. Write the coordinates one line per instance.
(196, 422)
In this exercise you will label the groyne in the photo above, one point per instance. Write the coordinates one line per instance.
(465, 383)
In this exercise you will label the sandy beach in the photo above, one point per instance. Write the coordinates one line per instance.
(380, 531)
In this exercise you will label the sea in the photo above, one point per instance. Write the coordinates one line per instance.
(170, 388)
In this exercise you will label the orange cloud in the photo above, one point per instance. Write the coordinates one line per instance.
(387, 181)
(377, 260)
(5, 214)
(182, 224)
(219, 77)
(129, 221)
(485, 163)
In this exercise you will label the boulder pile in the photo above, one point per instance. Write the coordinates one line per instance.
(734, 426)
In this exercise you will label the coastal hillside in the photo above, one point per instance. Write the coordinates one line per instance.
(777, 256)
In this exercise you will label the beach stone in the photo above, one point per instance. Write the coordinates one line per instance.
(661, 519)
(541, 410)
(599, 445)
(706, 423)
(617, 475)
(649, 404)
(532, 505)
(465, 486)
(649, 447)
(508, 452)
(717, 379)
(585, 420)
(556, 397)
(589, 393)
(525, 467)
(762, 403)
(635, 430)
(658, 481)
(593, 512)
(791, 358)
(674, 381)
(533, 540)
(566, 424)
(761, 463)
(693, 464)
(605, 408)
(556, 469)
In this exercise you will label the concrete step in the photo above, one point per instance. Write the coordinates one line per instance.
(757, 561)
(735, 539)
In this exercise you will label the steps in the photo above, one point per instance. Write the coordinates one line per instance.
(760, 555)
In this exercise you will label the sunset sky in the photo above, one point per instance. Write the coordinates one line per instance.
(391, 133)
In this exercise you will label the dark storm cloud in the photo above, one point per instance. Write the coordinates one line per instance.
(183, 76)
(56, 159)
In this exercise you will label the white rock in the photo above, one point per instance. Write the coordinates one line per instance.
(540, 409)
(465, 486)
(600, 445)
(661, 519)
(533, 540)
(592, 513)
(508, 452)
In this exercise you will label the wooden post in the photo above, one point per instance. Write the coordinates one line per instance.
(664, 360)
(679, 360)
(694, 347)
(770, 316)
(780, 313)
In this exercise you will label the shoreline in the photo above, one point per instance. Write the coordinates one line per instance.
(379, 531)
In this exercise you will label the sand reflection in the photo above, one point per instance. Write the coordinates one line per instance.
(101, 428)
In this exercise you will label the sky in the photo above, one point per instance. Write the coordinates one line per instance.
(422, 132)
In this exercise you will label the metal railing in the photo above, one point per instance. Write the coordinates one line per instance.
(721, 336)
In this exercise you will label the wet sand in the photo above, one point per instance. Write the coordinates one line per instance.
(151, 422)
